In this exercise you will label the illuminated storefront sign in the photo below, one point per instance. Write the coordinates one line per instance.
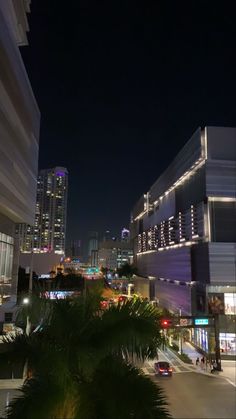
(201, 322)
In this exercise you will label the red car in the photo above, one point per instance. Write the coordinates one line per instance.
(163, 368)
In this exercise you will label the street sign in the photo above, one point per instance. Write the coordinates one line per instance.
(201, 322)
(185, 322)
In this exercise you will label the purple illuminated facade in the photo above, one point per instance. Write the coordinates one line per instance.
(184, 230)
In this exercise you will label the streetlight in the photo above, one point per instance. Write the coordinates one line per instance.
(26, 301)
(180, 335)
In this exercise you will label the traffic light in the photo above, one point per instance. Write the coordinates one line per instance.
(166, 323)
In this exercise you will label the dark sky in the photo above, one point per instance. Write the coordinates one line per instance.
(121, 86)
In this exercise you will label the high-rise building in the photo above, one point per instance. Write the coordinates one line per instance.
(51, 211)
(113, 254)
(92, 245)
(107, 235)
(47, 235)
(74, 250)
(19, 138)
(184, 233)
(125, 235)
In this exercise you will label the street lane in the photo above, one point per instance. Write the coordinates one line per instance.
(191, 394)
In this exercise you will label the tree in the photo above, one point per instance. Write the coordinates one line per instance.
(127, 270)
(23, 281)
(80, 362)
(104, 271)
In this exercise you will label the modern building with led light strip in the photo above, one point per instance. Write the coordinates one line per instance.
(184, 232)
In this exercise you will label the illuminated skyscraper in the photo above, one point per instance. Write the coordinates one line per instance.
(93, 247)
(125, 235)
(51, 211)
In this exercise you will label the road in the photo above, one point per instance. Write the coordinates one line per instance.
(6, 395)
(192, 394)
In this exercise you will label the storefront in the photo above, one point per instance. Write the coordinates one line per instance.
(200, 338)
(6, 260)
(228, 343)
(221, 302)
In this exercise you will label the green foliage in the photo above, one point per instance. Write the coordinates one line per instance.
(127, 270)
(129, 394)
(71, 281)
(175, 347)
(81, 361)
(185, 358)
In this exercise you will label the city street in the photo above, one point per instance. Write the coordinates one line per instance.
(192, 394)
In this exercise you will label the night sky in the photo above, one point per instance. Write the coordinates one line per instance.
(121, 86)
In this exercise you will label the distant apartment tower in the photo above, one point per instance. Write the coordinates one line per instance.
(112, 254)
(125, 235)
(107, 235)
(92, 244)
(51, 211)
(75, 249)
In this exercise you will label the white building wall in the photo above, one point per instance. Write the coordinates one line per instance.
(19, 134)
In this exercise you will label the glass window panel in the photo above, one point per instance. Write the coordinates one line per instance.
(230, 303)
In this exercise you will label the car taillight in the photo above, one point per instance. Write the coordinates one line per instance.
(161, 369)
(170, 369)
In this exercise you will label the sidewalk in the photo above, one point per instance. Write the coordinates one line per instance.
(14, 383)
(229, 367)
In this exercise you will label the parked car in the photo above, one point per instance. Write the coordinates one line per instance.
(163, 368)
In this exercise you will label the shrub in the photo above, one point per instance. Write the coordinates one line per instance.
(175, 347)
(185, 358)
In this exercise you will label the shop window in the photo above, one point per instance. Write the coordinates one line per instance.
(230, 303)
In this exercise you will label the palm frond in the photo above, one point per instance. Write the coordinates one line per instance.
(120, 391)
(128, 328)
(42, 398)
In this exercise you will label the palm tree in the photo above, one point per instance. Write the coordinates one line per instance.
(127, 270)
(80, 362)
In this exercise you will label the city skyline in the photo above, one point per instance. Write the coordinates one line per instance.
(124, 113)
(119, 77)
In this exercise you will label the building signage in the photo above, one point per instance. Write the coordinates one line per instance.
(185, 322)
(201, 322)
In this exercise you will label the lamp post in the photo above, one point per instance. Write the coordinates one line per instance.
(129, 289)
(26, 300)
(217, 342)
(180, 335)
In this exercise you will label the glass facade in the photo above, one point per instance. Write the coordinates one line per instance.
(230, 303)
(228, 343)
(200, 338)
(6, 260)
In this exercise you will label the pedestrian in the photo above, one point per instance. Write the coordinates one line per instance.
(214, 366)
(197, 361)
(202, 362)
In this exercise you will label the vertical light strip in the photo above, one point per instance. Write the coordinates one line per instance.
(205, 142)
(208, 221)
